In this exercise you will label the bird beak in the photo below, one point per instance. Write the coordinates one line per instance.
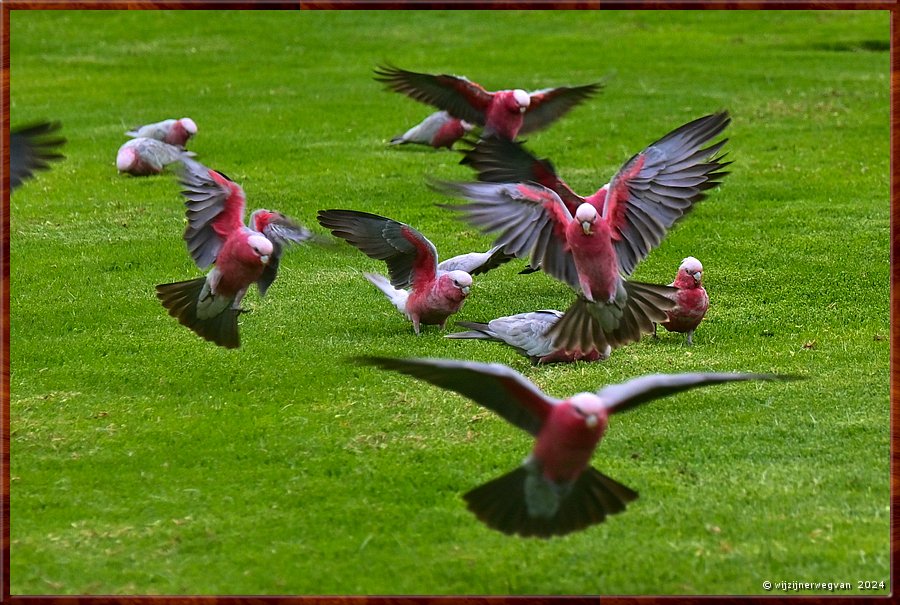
(465, 289)
(264, 258)
(586, 227)
(697, 275)
(591, 421)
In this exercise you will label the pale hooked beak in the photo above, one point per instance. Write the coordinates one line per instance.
(697, 275)
(586, 227)
(264, 258)
(465, 289)
(591, 421)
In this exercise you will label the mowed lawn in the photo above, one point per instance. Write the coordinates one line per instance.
(146, 460)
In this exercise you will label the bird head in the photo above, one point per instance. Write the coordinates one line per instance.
(586, 214)
(189, 126)
(467, 126)
(261, 247)
(461, 280)
(125, 159)
(522, 99)
(692, 269)
(591, 411)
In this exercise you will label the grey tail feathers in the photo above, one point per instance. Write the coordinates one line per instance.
(181, 298)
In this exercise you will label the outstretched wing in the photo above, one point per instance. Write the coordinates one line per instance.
(282, 231)
(215, 207)
(458, 96)
(410, 257)
(550, 104)
(494, 386)
(659, 185)
(474, 263)
(31, 147)
(529, 220)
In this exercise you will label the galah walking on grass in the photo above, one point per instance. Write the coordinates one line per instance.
(505, 113)
(173, 132)
(594, 243)
(31, 147)
(243, 255)
(691, 300)
(527, 333)
(556, 490)
(425, 291)
(144, 156)
(440, 129)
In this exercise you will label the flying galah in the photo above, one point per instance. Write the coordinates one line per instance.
(555, 491)
(173, 132)
(527, 333)
(144, 156)
(505, 113)
(440, 129)
(31, 147)
(423, 290)
(243, 255)
(593, 243)
(691, 300)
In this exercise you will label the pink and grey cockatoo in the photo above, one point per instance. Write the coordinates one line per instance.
(594, 243)
(505, 113)
(556, 490)
(144, 156)
(243, 255)
(691, 300)
(173, 132)
(31, 147)
(528, 334)
(440, 129)
(425, 291)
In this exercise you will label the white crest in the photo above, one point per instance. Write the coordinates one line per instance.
(261, 243)
(463, 279)
(586, 213)
(522, 97)
(189, 125)
(691, 265)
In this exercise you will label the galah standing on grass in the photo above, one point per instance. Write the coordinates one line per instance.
(173, 132)
(555, 491)
(505, 113)
(593, 243)
(144, 156)
(423, 290)
(243, 255)
(440, 129)
(691, 300)
(31, 147)
(527, 333)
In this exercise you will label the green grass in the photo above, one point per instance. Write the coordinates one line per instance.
(146, 460)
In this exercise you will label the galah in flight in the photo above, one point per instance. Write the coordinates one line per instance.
(592, 244)
(528, 334)
(440, 129)
(31, 147)
(144, 156)
(173, 132)
(425, 291)
(556, 490)
(243, 255)
(505, 113)
(691, 300)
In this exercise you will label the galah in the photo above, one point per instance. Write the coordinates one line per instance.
(505, 113)
(440, 129)
(31, 147)
(173, 132)
(243, 255)
(425, 291)
(594, 243)
(144, 156)
(555, 491)
(527, 333)
(691, 300)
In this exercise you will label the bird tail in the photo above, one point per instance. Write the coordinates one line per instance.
(477, 330)
(399, 140)
(397, 297)
(588, 325)
(181, 299)
(501, 504)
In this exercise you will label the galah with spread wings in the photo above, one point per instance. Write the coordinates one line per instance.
(145, 156)
(243, 255)
(691, 300)
(31, 147)
(173, 132)
(504, 113)
(593, 243)
(440, 129)
(528, 334)
(556, 490)
(425, 291)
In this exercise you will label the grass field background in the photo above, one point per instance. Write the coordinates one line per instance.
(146, 460)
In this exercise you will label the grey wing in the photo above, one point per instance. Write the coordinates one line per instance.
(474, 263)
(205, 200)
(425, 130)
(527, 331)
(529, 221)
(31, 147)
(494, 386)
(658, 186)
(627, 395)
(550, 104)
(161, 154)
(409, 254)
(282, 231)
(457, 95)
(157, 130)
